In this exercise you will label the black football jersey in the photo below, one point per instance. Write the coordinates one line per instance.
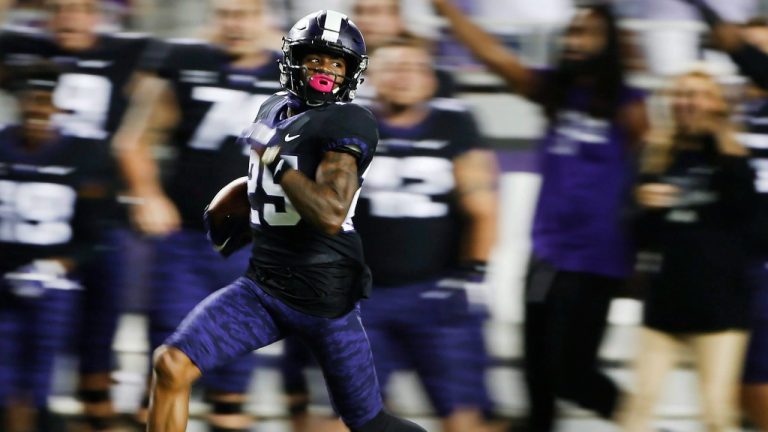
(42, 214)
(216, 103)
(314, 272)
(407, 216)
(91, 92)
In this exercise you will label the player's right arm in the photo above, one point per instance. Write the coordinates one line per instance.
(153, 112)
(488, 49)
(324, 203)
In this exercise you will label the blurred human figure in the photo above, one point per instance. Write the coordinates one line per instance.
(91, 99)
(51, 190)
(748, 48)
(754, 114)
(310, 149)
(381, 21)
(695, 195)
(197, 97)
(427, 217)
(581, 252)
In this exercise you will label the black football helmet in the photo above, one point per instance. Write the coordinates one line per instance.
(324, 31)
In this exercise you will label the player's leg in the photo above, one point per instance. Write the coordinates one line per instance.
(657, 354)
(386, 316)
(755, 383)
(174, 373)
(228, 324)
(227, 385)
(341, 347)
(449, 353)
(41, 329)
(295, 358)
(720, 358)
(175, 289)
(226, 392)
(100, 312)
(53, 319)
(754, 393)
(579, 305)
(178, 284)
(191, 270)
(13, 320)
(537, 352)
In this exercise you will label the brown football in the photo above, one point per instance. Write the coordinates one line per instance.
(231, 202)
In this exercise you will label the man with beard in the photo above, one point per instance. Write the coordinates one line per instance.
(581, 252)
(91, 99)
(198, 95)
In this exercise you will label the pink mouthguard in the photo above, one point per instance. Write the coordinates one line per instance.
(322, 83)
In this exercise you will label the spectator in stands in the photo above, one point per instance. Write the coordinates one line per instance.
(695, 198)
(749, 49)
(581, 252)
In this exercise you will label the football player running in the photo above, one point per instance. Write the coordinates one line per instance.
(309, 152)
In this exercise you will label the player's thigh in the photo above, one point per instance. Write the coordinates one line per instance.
(451, 360)
(228, 324)
(388, 353)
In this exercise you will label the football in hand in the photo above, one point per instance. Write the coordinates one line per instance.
(231, 200)
(227, 217)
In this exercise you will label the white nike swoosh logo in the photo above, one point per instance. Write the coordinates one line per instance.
(289, 138)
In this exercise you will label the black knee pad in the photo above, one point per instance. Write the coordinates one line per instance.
(386, 422)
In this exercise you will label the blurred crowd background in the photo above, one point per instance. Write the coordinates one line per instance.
(663, 38)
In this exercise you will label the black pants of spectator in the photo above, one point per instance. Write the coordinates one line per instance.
(566, 316)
